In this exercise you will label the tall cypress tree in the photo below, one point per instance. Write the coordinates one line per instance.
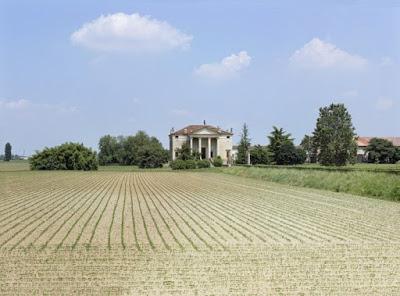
(244, 146)
(7, 152)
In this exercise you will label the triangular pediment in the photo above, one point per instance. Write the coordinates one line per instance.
(205, 131)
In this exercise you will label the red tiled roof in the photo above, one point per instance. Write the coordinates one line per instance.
(192, 129)
(363, 141)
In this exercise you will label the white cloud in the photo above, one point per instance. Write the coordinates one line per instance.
(23, 104)
(124, 32)
(14, 105)
(384, 104)
(229, 67)
(324, 55)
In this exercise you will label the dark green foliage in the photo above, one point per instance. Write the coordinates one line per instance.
(308, 145)
(190, 164)
(282, 150)
(288, 154)
(217, 162)
(203, 163)
(7, 152)
(382, 151)
(244, 146)
(180, 164)
(151, 156)
(184, 153)
(68, 156)
(259, 155)
(334, 136)
(140, 150)
(110, 149)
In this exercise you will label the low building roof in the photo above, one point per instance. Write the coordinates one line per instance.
(192, 129)
(364, 141)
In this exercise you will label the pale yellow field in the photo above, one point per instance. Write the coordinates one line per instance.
(167, 233)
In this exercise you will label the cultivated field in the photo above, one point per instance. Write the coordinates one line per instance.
(167, 233)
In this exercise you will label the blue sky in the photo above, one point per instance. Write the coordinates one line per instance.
(77, 70)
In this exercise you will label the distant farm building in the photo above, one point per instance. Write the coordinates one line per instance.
(362, 143)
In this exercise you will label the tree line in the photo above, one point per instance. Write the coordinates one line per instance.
(140, 149)
(333, 142)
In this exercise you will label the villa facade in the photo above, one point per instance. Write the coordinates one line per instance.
(207, 140)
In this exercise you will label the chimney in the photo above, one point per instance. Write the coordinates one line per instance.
(231, 130)
(185, 131)
(204, 122)
(172, 130)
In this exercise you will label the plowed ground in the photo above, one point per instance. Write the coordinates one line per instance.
(167, 233)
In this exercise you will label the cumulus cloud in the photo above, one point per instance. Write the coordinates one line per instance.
(227, 68)
(324, 55)
(384, 104)
(124, 32)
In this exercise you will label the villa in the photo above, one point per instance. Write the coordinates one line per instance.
(207, 140)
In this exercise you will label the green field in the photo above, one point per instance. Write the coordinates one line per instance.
(379, 185)
(190, 233)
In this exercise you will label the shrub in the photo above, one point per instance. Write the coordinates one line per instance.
(190, 164)
(68, 156)
(201, 164)
(217, 162)
(178, 164)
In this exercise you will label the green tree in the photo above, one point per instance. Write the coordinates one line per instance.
(282, 149)
(277, 138)
(140, 149)
(308, 145)
(259, 155)
(7, 152)
(381, 151)
(334, 136)
(151, 156)
(244, 146)
(68, 156)
(109, 149)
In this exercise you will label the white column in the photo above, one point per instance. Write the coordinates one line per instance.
(199, 146)
(191, 144)
(209, 148)
(172, 147)
(217, 152)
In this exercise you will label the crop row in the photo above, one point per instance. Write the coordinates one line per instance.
(180, 211)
